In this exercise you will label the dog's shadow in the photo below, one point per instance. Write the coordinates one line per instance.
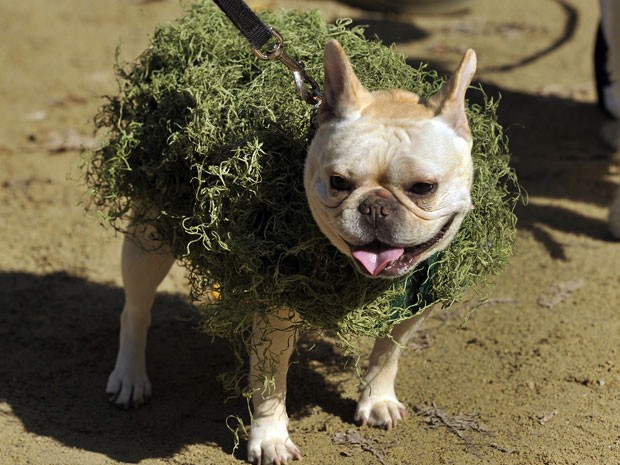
(58, 343)
(561, 163)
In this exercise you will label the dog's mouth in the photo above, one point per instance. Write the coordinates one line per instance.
(377, 258)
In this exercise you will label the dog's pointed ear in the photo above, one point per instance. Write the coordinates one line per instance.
(449, 103)
(344, 95)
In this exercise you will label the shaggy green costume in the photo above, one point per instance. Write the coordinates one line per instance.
(207, 143)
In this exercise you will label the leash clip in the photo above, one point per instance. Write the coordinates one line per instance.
(307, 87)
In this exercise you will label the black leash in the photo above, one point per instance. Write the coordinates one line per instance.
(259, 35)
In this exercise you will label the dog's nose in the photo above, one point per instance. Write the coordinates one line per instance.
(376, 208)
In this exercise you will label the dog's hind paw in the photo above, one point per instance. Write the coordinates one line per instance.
(128, 390)
(270, 444)
(382, 412)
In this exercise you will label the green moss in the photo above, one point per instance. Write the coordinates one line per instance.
(207, 143)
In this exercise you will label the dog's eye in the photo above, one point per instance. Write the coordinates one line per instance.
(422, 188)
(339, 183)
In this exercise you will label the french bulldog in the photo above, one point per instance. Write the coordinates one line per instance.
(387, 177)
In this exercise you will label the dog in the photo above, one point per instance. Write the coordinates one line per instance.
(387, 178)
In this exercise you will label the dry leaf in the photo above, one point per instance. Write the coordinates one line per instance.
(353, 437)
(558, 292)
(64, 141)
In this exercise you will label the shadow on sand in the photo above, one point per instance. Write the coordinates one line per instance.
(58, 342)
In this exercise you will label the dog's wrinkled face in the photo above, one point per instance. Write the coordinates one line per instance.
(388, 175)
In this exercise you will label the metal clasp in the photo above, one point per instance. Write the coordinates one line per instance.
(307, 87)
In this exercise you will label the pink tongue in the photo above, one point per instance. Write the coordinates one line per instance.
(375, 259)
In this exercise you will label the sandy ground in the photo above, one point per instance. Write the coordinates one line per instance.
(531, 378)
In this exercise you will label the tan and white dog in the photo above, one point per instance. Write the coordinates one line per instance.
(388, 178)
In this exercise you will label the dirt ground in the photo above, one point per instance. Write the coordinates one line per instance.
(533, 377)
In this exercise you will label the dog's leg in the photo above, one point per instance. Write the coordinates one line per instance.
(378, 405)
(144, 265)
(273, 342)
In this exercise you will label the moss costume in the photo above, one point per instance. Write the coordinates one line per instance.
(207, 143)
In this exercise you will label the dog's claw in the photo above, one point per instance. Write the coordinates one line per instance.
(383, 413)
(274, 454)
(269, 444)
(362, 422)
(128, 391)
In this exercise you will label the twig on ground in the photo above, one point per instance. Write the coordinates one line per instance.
(459, 425)
(456, 424)
(353, 437)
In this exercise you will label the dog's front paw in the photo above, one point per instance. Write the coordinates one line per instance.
(270, 443)
(381, 411)
(128, 388)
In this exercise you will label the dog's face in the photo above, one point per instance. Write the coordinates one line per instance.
(388, 175)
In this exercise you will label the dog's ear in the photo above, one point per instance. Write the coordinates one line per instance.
(449, 103)
(344, 95)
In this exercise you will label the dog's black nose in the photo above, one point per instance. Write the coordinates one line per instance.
(377, 208)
